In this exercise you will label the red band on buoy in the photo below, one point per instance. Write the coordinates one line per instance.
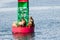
(22, 0)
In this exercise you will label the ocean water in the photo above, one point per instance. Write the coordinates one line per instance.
(47, 25)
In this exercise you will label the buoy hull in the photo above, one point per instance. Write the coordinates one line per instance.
(22, 29)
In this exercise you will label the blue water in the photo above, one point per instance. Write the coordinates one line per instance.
(47, 25)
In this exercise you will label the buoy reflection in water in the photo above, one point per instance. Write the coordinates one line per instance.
(23, 36)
